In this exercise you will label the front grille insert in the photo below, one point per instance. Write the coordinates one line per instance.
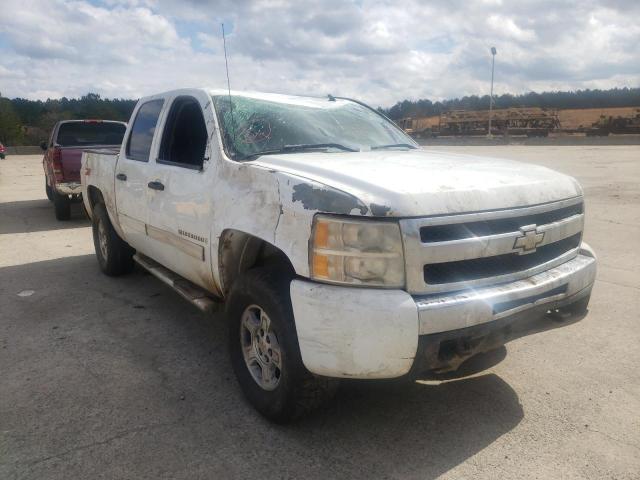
(458, 231)
(477, 268)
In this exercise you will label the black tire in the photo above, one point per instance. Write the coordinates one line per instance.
(47, 189)
(297, 391)
(117, 258)
(62, 206)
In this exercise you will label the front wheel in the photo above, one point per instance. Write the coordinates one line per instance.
(115, 256)
(264, 348)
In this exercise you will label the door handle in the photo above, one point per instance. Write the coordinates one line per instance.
(121, 176)
(155, 185)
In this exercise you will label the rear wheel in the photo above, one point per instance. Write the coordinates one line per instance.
(62, 206)
(115, 256)
(47, 189)
(264, 348)
(84, 210)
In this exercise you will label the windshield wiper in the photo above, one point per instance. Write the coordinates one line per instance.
(311, 146)
(392, 145)
(299, 148)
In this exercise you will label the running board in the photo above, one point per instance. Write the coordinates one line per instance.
(198, 296)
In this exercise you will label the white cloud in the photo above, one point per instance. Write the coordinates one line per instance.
(505, 27)
(380, 51)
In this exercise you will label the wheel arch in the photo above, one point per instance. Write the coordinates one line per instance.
(94, 196)
(240, 251)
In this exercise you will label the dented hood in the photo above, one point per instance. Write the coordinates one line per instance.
(418, 182)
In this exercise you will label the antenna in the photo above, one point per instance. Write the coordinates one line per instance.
(226, 64)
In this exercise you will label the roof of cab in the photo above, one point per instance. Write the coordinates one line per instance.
(273, 97)
(89, 120)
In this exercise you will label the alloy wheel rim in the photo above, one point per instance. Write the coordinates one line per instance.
(260, 348)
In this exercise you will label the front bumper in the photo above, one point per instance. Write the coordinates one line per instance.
(372, 333)
(69, 188)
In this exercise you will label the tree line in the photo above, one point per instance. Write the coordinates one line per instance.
(615, 97)
(28, 122)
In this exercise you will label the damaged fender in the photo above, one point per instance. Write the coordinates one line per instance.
(355, 332)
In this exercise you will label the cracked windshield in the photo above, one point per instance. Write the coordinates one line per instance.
(253, 126)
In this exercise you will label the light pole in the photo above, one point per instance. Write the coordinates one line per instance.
(493, 63)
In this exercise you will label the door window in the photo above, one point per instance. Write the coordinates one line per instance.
(144, 126)
(185, 135)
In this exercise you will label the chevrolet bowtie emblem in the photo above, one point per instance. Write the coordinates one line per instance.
(529, 240)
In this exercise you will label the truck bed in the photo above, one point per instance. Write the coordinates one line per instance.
(98, 169)
(71, 159)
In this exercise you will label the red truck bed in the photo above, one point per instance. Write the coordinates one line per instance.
(63, 154)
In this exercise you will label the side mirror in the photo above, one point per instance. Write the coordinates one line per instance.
(43, 145)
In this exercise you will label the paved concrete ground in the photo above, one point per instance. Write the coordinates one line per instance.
(120, 378)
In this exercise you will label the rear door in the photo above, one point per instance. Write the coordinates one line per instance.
(180, 200)
(133, 170)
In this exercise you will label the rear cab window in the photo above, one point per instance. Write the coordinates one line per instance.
(83, 133)
(143, 129)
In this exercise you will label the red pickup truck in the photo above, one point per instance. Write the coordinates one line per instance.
(62, 156)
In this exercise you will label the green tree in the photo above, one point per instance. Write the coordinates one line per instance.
(10, 126)
(615, 97)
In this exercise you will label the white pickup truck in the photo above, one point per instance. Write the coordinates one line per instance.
(338, 248)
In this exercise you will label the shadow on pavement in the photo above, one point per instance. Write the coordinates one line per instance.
(414, 430)
(119, 377)
(37, 216)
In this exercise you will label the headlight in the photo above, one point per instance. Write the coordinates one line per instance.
(356, 252)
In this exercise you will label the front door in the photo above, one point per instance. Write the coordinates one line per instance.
(179, 202)
(132, 171)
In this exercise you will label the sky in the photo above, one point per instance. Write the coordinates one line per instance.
(377, 51)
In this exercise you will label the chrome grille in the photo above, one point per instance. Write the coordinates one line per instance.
(457, 231)
(473, 269)
(449, 253)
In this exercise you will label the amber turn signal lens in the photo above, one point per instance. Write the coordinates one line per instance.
(320, 266)
(321, 239)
